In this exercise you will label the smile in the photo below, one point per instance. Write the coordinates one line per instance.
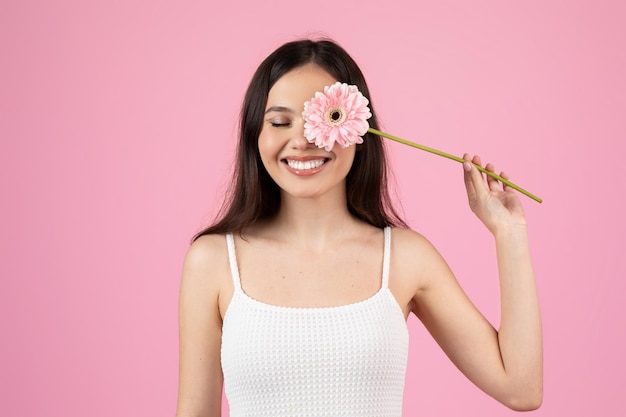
(305, 165)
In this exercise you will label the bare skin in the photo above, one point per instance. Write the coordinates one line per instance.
(314, 253)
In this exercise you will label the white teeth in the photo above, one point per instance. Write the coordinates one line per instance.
(302, 165)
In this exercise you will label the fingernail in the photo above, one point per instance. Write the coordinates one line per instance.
(467, 166)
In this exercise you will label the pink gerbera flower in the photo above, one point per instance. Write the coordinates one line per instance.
(338, 115)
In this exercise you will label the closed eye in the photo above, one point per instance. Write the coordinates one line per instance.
(279, 116)
(276, 124)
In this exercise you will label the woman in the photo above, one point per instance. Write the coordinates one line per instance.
(296, 299)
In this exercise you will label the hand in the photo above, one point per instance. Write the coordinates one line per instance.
(495, 204)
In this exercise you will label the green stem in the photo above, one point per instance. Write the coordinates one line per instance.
(455, 158)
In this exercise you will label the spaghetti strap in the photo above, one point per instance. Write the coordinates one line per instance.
(386, 256)
(232, 259)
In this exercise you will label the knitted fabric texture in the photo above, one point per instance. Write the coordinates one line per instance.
(346, 361)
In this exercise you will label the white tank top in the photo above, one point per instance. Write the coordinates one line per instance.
(344, 361)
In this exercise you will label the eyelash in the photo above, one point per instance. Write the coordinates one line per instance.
(274, 124)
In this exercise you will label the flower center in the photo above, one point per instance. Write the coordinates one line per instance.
(335, 115)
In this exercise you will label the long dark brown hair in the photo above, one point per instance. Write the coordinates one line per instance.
(253, 194)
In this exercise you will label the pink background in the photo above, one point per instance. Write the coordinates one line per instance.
(118, 118)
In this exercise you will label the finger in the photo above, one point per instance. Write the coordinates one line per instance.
(467, 177)
(491, 181)
(506, 177)
(476, 160)
(477, 179)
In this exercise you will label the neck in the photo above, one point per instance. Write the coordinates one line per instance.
(314, 222)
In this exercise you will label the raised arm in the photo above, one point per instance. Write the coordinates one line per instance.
(506, 364)
(200, 329)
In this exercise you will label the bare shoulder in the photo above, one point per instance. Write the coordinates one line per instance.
(205, 250)
(415, 266)
(408, 236)
(413, 249)
(205, 269)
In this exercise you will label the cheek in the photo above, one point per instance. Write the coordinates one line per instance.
(347, 157)
(267, 148)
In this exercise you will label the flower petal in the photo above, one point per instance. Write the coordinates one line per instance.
(325, 130)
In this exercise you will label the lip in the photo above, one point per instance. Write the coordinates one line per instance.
(305, 172)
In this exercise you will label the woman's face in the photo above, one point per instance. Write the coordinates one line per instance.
(300, 168)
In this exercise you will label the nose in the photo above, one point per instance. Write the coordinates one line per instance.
(298, 140)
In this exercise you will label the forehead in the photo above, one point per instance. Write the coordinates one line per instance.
(297, 86)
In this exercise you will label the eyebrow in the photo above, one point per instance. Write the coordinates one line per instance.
(279, 109)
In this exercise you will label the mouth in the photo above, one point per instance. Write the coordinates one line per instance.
(306, 166)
